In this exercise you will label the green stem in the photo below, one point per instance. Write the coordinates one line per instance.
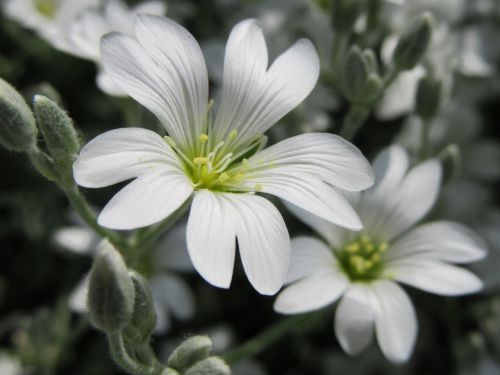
(80, 204)
(390, 76)
(266, 338)
(424, 140)
(123, 359)
(354, 119)
(340, 45)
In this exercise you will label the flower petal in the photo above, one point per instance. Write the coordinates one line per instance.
(310, 194)
(309, 256)
(327, 156)
(78, 298)
(435, 277)
(173, 88)
(122, 154)
(311, 293)
(390, 167)
(395, 320)
(146, 200)
(211, 238)
(263, 241)
(334, 235)
(245, 64)
(354, 319)
(441, 240)
(252, 99)
(390, 212)
(180, 60)
(80, 240)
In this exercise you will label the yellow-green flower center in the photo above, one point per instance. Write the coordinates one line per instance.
(46, 8)
(361, 260)
(219, 166)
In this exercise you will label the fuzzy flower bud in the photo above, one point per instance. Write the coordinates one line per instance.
(361, 81)
(111, 290)
(413, 43)
(58, 132)
(18, 131)
(429, 95)
(190, 352)
(143, 320)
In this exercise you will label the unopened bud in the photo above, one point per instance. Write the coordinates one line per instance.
(143, 321)
(58, 132)
(18, 131)
(210, 366)
(360, 80)
(111, 290)
(429, 94)
(190, 352)
(345, 13)
(413, 44)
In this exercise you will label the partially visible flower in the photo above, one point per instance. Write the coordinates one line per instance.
(48, 18)
(171, 294)
(362, 268)
(9, 365)
(219, 159)
(85, 32)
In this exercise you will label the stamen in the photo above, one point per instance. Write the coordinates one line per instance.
(223, 163)
(233, 134)
(203, 138)
(258, 187)
(200, 160)
(223, 177)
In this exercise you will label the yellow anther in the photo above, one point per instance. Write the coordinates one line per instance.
(233, 134)
(369, 247)
(210, 104)
(390, 275)
(368, 264)
(365, 239)
(200, 160)
(258, 187)
(376, 258)
(245, 163)
(223, 177)
(383, 247)
(203, 138)
(353, 248)
(237, 177)
(169, 141)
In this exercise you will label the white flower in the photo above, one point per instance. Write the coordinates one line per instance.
(360, 269)
(218, 159)
(85, 32)
(172, 296)
(48, 18)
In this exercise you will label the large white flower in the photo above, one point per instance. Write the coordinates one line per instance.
(85, 32)
(218, 158)
(362, 268)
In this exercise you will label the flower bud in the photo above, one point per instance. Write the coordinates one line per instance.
(210, 366)
(190, 352)
(360, 80)
(413, 43)
(345, 13)
(429, 97)
(58, 132)
(143, 320)
(111, 290)
(18, 131)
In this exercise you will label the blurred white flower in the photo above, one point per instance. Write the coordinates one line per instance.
(86, 30)
(172, 296)
(218, 159)
(361, 269)
(48, 18)
(9, 365)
